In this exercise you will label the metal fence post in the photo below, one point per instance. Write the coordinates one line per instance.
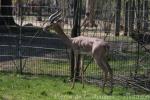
(19, 42)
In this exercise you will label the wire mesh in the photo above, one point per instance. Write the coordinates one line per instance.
(30, 50)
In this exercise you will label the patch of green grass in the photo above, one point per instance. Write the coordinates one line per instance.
(20, 87)
(47, 66)
(59, 67)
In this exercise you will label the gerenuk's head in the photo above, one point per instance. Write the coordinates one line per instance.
(53, 22)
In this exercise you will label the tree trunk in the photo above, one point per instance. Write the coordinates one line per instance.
(139, 15)
(39, 10)
(6, 13)
(131, 15)
(76, 32)
(117, 19)
(146, 10)
(126, 18)
(89, 20)
(90, 7)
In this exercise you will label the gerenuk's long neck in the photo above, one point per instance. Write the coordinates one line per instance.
(64, 37)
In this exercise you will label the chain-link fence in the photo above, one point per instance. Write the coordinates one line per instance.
(25, 48)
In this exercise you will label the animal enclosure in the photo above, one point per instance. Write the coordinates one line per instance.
(25, 48)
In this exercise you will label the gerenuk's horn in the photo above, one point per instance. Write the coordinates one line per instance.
(53, 16)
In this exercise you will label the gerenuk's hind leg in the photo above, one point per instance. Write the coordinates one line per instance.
(75, 70)
(109, 70)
